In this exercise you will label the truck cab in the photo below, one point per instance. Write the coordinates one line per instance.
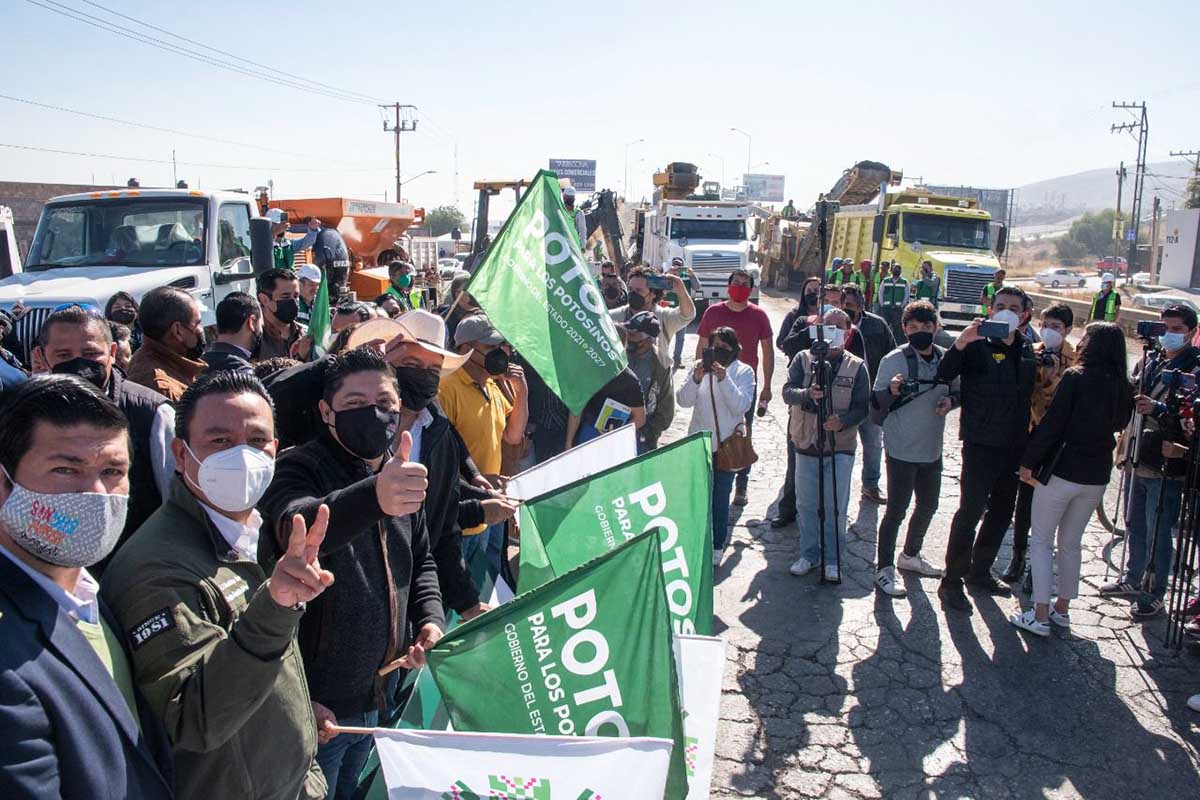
(89, 246)
(710, 236)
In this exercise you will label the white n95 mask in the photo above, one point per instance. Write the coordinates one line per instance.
(1009, 318)
(234, 479)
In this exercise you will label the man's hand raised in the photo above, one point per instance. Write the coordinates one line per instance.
(400, 487)
(298, 576)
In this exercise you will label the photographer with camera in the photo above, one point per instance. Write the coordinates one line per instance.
(828, 391)
(1156, 490)
(997, 368)
(912, 405)
(1054, 355)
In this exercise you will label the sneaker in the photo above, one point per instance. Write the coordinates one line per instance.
(832, 575)
(953, 596)
(782, 522)
(885, 581)
(1143, 610)
(919, 565)
(873, 495)
(1029, 622)
(739, 496)
(989, 584)
(1194, 702)
(1061, 620)
(1119, 588)
(716, 558)
(801, 566)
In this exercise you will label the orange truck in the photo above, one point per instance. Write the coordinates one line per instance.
(373, 232)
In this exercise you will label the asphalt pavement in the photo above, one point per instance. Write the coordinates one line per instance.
(837, 692)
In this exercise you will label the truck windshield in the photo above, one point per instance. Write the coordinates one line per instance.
(935, 229)
(131, 232)
(732, 229)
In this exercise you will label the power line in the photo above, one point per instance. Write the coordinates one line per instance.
(144, 160)
(161, 129)
(109, 27)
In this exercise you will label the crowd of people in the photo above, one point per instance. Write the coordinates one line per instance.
(219, 555)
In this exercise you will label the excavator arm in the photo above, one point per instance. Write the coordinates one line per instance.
(601, 215)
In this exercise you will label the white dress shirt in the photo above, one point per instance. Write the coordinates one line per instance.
(733, 398)
(80, 604)
(242, 538)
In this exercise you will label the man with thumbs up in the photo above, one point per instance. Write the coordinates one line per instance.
(377, 545)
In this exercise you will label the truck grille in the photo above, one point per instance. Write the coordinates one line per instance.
(716, 262)
(965, 287)
(27, 330)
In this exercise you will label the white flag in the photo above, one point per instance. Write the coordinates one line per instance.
(597, 455)
(700, 662)
(436, 765)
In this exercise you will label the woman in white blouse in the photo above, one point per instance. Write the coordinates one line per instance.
(719, 395)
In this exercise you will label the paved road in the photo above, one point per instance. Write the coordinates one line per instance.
(834, 692)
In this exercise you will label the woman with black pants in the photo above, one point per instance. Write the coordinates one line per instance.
(1074, 444)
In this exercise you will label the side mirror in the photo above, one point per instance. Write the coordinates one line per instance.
(877, 229)
(262, 245)
(1001, 240)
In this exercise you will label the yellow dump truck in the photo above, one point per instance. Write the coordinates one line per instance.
(913, 226)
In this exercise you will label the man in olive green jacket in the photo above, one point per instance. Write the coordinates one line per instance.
(213, 640)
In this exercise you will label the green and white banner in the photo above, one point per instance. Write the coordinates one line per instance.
(669, 488)
(589, 654)
(700, 661)
(538, 291)
(485, 766)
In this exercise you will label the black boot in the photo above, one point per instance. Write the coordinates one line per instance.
(1016, 567)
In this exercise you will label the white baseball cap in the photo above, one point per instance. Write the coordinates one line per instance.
(309, 272)
(276, 215)
(569, 191)
(1107, 278)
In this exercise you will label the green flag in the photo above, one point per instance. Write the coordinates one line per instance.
(588, 654)
(539, 292)
(319, 318)
(669, 488)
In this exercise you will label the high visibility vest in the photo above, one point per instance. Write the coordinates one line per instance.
(1110, 306)
(284, 257)
(989, 292)
(836, 276)
(928, 289)
(893, 293)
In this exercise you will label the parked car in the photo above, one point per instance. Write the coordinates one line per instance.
(447, 267)
(1117, 267)
(1141, 279)
(1160, 301)
(1058, 276)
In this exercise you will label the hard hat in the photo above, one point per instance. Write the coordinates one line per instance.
(837, 261)
(307, 272)
(1107, 278)
(569, 191)
(276, 215)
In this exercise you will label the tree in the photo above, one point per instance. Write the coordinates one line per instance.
(1192, 200)
(1070, 251)
(1095, 232)
(444, 219)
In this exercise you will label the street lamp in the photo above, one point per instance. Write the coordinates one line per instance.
(749, 142)
(625, 185)
(718, 158)
(400, 185)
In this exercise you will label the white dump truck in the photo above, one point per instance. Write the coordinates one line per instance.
(710, 236)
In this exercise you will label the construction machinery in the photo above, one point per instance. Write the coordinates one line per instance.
(600, 212)
(480, 240)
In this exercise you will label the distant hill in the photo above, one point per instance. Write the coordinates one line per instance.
(1097, 189)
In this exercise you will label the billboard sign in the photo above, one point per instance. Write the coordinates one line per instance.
(993, 201)
(580, 171)
(763, 188)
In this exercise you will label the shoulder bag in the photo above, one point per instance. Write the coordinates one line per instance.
(735, 453)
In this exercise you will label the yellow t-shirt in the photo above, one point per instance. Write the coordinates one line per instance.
(479, 419)
(112, 656)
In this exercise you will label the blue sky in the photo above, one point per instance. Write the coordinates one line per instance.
(994, 95)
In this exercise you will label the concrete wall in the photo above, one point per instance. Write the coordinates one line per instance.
(1128, 318)
(26, 201)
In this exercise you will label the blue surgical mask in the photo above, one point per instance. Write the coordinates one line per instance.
(1173, 341)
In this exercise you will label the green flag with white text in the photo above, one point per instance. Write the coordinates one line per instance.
(588, 654)
(538, 291)
(669, 488)
(319, 318)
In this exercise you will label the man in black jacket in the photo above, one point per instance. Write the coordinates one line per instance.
(378, 544)
(239, 334)
(997, 384)
(872, 340)
(75, 341)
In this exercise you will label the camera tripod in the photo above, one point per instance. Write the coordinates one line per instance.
(822, 378)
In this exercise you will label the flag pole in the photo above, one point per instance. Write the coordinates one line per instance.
(352, 730)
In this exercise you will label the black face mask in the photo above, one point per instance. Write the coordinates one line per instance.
(810, 299)
(921, 340)
(195, 351)
(90, 370)
(123, 316)
(724, 357)
(366, 432)
(496, 362)
(286, 310)
(255, 343)
(418, 386)
(612, 292)
(895, 274)
(636, 301)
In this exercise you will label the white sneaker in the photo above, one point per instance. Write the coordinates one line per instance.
(831, 574)
(1061, 620)
(919, 565)
(885, 581)
(716, 558)
(1029, 622)
(801, 566)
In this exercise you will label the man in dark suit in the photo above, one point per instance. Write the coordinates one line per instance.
(72, 724)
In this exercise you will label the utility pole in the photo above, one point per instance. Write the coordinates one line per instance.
(1117, 228)
(1142, 126)
(1154, 249)
(1189, 155)
(174, 171)
(406, 121)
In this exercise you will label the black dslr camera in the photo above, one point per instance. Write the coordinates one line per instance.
(910, 387)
